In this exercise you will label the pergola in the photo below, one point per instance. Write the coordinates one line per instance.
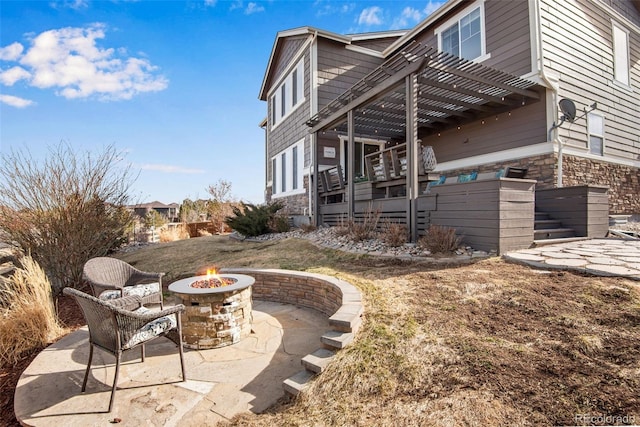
(417, 92)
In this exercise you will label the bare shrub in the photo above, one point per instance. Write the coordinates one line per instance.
(365, 229)
(308, 228)
(204, 233)
(394, 234)
(65, 210)
(440, 240)
(171, 234)
(29, 320)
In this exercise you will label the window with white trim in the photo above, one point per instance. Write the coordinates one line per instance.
(289, 95)
(288, 168)
(620, 54)
(274, 165)
(595, 123)
(464, 34)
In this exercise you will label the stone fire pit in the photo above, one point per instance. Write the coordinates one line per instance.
(218, 309)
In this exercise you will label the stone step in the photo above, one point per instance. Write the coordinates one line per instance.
(318, 360)
(337, 339)
(295, 384)
(545, 224)
(545, 242)
(553, 233)
(348, 318)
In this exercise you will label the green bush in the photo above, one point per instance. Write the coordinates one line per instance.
(251, 220)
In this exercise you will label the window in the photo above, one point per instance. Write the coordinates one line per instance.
(361, 150)
(596, 133)
(288, 168)
(273, 176)
(294, 163)
(283, 173)
(620, 55)
(289, 95)
(463, 35)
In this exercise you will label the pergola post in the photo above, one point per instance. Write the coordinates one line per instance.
(350, 172)
(313, 180)
(413, 185)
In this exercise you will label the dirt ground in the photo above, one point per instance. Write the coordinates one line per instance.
(485, 343)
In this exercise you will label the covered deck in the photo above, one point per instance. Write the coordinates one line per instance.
(412, 97)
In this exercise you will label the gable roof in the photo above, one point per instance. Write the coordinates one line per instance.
(311, 32)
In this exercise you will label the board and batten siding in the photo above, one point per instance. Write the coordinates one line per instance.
(339, 69)
(578, 46)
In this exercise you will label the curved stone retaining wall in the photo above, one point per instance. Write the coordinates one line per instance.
(339, 300)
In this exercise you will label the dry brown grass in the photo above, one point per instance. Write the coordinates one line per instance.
(484, 344)
(30, 321)
(179, 232)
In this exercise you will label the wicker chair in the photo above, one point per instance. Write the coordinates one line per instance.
(111, 278)
(115, 328)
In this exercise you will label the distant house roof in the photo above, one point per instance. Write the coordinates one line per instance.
(311, 32)
(154, 205)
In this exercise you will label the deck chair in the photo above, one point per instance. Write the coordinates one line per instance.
(111, 278)
(123, 324)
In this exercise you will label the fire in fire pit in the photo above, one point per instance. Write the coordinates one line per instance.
(213, 281)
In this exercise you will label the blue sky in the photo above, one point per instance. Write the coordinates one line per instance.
(172, 84)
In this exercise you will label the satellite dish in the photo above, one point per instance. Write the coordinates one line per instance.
(568, 109)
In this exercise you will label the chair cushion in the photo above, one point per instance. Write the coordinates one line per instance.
(139, 290)
(152, 329)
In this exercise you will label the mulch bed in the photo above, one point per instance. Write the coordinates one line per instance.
(71, 317)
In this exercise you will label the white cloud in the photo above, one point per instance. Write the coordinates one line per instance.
(170, 169)
(14, 101)
(253, 8)
(325, 7)
(11, 52)
(211, 3)
(432, 6)
(370, 16)
(12, 75)
(71, 4)
(70, 60)
(408, 18)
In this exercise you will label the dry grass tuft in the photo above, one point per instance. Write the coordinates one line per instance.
(394, 234)
(172, 234)
(440, 240)
(31, 321)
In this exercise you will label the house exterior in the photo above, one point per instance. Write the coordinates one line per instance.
(169, 211)
(549, 87)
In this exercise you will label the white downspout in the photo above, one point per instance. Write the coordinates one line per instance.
(554, 86)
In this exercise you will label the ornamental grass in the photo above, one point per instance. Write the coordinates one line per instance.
(27, 318)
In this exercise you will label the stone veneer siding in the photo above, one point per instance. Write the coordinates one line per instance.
(296, 204)
(623, 181)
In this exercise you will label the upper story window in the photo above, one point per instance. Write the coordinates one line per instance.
(289, 95)
(620, 54)
(464, 35)
(595, 123)
(287, 170)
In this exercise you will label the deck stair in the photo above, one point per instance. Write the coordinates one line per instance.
(345, 323)
(547, 230)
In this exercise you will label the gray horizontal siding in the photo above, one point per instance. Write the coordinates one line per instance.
(339, 69)
(288, 50)
(577, 41)
(375, 44)
(525, 126)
